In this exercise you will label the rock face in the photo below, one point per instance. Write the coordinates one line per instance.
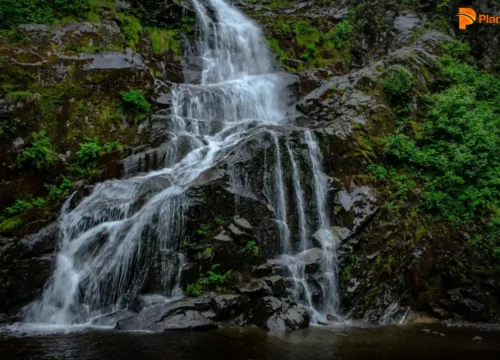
(390, 262)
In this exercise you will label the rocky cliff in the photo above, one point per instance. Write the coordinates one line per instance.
(405, 110)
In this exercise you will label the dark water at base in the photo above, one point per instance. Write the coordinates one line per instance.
(388, 342)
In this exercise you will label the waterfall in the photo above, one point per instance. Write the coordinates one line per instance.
(108, 241)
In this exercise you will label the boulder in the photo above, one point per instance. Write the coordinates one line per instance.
(152, 318)
(254, 288)
(143, 301)
(113, 318)
(229, 306)
(277, 284)
(185, 320)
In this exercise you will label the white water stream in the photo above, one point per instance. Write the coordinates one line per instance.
(107, 240)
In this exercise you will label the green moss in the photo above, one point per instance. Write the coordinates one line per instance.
(10, 225)
(132, 29)
(165, 40)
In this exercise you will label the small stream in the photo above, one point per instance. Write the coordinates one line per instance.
(423, 341)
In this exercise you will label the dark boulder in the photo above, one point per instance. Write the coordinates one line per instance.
(230, 306)
(113, 318)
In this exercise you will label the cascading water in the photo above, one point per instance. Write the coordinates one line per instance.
(109, 238)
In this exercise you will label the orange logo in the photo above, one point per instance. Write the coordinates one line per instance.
(466, 16)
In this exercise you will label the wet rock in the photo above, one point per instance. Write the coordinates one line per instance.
(291, 318)
(113, 318)
(4, 319)
(262, 270)
(254, 288)
(148, 189)
(181, 314)
(310, 256)
(185, 320)
(143, 301)
(242, 224)
(240, 235)
(470, 308)
(477, 338)
(229, 306)
(223, 236)
(277, 284)
(356, 207)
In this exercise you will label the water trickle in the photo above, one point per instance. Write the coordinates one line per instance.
(110, 239)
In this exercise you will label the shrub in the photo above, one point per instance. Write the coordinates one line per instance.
(58, 192)
(310, 52)
(305, 34)
(14, 12)
(214, 279)
(251, 248)
(88, 153)
(134, 102)
(19, 207)
(397, 84)
(455, 156)
(338, 36)
(40, 152)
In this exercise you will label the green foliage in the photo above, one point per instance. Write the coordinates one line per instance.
(378, 172)
(14, 12)
(455, 156)
(114, 145)
(193, 289)
(88, 153)
(40, 153)
(207, 252)
(19, 207)
(251, 248)
(218, 220)
(165, 40)
(305, 34)
(397, 84)
(134, 102)
(214, 279)
(132, 29)
(204, 229)
(282, 55)
(58, 192)
(25, 96)
(338, 36)
(310, 52)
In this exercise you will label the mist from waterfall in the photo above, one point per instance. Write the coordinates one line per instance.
(107, 240)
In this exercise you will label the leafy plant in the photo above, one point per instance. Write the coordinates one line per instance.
(339, 35)
(207, 252)
(455, 155)
(40, 153)
(14, 12)
(88, 153)
(19, 207)
(58, 192)
(203, 230)
(214, 279)
(134, 102)
(193, 289)
(397, 84)
(251, 248)
(218, 220)
(305, 34)
(310, 52)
